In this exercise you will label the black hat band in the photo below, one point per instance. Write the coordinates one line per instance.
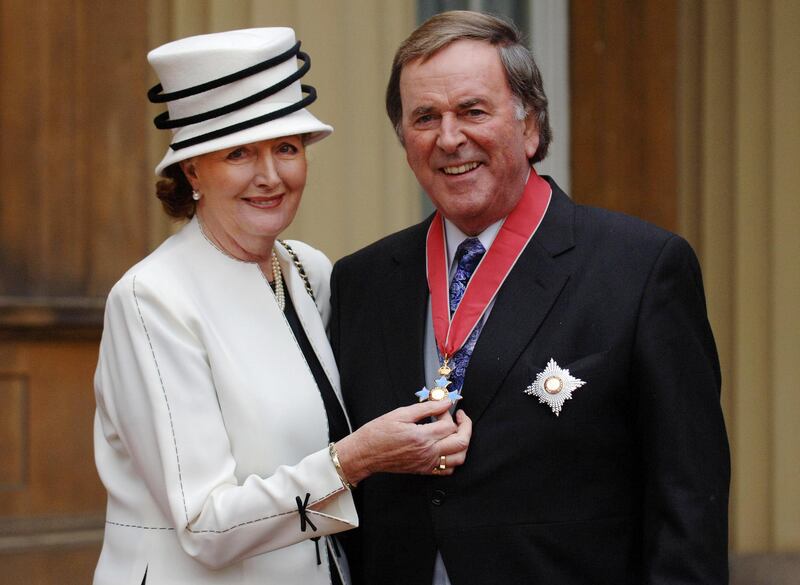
(163, 122)
(309, 99)
(156, 97)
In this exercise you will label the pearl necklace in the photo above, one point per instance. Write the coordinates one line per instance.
(277, 279)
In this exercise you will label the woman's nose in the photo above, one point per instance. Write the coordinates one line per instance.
(266, 176)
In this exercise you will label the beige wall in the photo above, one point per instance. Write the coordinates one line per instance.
(739, 147)
(359, 187)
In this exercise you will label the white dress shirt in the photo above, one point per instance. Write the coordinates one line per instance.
(454, 238)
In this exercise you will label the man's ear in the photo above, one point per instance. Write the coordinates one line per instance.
(531, 135)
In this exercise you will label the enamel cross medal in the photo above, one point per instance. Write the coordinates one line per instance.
(440, 391)
(452, 331)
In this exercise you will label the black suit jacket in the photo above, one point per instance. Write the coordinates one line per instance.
(629, 485)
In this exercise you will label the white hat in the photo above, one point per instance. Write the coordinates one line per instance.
(231, 88)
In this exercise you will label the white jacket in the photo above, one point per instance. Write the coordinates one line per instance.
(209, 423)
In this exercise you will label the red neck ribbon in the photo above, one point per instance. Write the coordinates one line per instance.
(515, 233)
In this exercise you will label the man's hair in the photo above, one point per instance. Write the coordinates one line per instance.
(522, 73)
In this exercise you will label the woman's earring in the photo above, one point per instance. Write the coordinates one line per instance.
(196, 195)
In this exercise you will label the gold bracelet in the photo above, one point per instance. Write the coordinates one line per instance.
(339, 471)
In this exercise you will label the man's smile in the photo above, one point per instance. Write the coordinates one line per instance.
(460, 169)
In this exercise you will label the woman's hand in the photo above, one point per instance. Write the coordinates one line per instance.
(395, 443)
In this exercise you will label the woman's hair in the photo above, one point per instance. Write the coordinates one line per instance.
(175, 193)
(522, 74)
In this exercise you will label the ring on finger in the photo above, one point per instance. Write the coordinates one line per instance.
(442, 462)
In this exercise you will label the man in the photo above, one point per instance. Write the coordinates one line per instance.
(580, 349)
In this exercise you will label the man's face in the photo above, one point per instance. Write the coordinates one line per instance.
(462, 136)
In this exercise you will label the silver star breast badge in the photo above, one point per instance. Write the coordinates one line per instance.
(553, 386)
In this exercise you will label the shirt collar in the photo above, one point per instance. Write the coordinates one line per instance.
(455, 236)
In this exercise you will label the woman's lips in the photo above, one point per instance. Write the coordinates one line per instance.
(264, 202)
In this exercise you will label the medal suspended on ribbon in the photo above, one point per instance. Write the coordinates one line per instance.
(451, 332)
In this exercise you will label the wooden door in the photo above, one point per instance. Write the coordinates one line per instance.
(624, 118)
(74, 190)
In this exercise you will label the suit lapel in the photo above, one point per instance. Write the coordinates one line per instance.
(523, 302)
(404, 295)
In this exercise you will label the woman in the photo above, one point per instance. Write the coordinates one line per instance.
(219, 433)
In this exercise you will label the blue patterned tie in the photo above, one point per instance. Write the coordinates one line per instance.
(468, 255)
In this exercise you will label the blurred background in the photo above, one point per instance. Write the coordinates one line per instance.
(683, 112)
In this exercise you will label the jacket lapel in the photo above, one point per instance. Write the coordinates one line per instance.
(309, 316)
(523, 302)
(405, 300)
